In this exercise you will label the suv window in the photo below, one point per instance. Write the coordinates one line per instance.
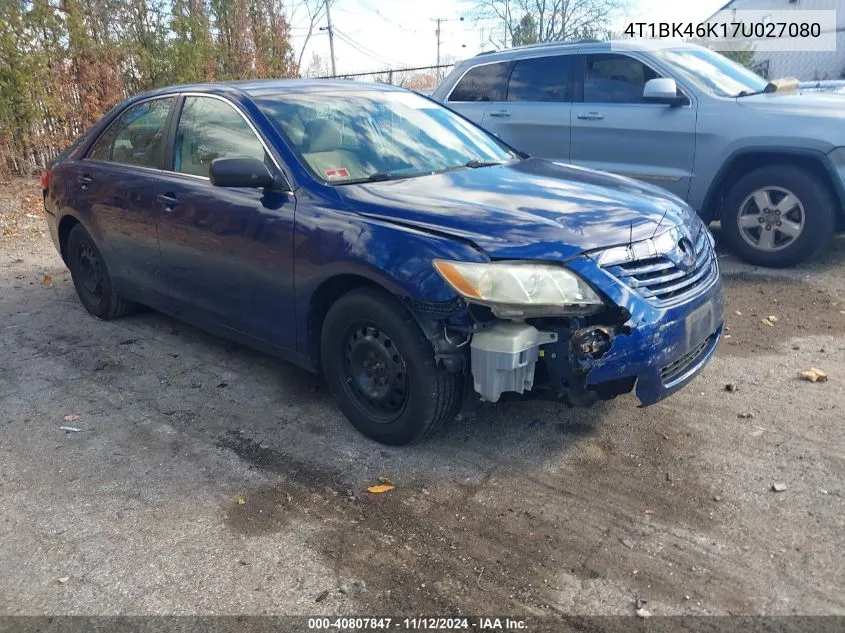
(210, 128)
(615, 79)
(137, 137)
(482, 83)
(539, 79)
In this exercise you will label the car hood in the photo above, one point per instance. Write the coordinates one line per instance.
(815, 104)
(528, 209)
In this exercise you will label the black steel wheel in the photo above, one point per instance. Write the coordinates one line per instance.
(381, 369)
(375, 373)
(91, 277)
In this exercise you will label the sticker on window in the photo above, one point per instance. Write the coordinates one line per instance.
(334, 174)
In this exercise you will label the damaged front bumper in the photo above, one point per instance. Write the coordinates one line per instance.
(651, 348)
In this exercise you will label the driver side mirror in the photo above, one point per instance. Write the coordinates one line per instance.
(242, 172)
(663, 90)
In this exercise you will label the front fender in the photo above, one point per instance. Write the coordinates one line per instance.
(331, 243)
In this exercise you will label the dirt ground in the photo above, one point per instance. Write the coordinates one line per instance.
(208, 478)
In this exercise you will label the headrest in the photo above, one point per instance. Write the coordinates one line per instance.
(322, 136)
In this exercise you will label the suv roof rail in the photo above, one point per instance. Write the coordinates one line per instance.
(540, 45)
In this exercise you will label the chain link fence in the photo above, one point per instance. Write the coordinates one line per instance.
(423, 79)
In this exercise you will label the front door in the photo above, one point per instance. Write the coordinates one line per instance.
(227, 253)
(615, 130)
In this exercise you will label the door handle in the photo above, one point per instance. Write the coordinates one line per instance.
(590, 116)
(500, 114)
(168, 201)
(84, 180)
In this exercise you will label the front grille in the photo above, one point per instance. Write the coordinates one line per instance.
(662, 278)
(674, 370)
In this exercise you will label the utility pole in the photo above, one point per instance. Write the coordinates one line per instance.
(328, 28)
(437, 34)
(507, 18)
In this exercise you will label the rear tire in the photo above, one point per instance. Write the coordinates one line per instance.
(381, 369)
(91, 278)
(778, 216)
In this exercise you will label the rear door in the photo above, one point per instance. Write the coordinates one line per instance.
(534, 114)
(113, 191)
(478, 87)
(614, 129)
(227, 252)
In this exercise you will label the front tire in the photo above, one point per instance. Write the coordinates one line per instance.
(381, 369)
(778, 216)
(91, 277)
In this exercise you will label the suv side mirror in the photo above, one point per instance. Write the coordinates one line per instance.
(240, 172)
(663, 90)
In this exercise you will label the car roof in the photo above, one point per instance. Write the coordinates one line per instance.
(584, 46)
(263, 87)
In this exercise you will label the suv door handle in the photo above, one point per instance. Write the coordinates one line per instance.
(500, 113)
(167, 201)
(590, 116)
(84, 180)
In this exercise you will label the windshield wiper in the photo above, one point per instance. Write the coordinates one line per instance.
(475, 163)
(770, 88)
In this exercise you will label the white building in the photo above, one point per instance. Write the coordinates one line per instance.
(804, 65)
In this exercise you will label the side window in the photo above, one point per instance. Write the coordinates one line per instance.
(208, 129)
(137, 137)
(482, 83)
(539, 79)
(615, 79)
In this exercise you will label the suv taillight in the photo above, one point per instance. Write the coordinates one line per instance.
(45, 179)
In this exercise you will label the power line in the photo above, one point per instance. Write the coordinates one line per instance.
(361, 48)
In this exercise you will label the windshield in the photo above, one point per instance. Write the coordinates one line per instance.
(345, 137)
(713, 72)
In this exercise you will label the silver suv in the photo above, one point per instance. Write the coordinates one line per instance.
(769, 164)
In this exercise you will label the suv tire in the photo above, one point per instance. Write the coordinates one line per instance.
(788, 211)
(381, 369)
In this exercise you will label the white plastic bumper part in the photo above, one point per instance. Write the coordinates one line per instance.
(504, 357)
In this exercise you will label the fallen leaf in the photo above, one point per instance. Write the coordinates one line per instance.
(773, 319)
(70, 429)
(648, 511)
(47, 281)
(767, 322)
(813, 375)
(64, 579)
(70, 417)
(376, 490)
(241, 501)
(642, 612)
(384, 480)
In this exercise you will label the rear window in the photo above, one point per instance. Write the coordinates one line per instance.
(482, 83)
(539, 79)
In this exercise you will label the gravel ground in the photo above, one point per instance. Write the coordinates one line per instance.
(208, 478)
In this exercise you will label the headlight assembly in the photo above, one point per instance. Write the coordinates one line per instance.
(517, 290)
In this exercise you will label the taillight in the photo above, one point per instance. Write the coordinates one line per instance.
(45, 179)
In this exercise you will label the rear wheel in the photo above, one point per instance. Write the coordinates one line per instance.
(778, 216)
(91, 277)
(381, 369)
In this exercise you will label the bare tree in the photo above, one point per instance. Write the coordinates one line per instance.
(550, 20)
(311, 11)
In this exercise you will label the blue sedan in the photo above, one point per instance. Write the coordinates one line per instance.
(370, 234)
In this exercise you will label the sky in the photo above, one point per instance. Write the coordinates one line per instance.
(379, 34)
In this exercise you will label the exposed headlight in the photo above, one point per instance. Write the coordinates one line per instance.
(519, 290)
